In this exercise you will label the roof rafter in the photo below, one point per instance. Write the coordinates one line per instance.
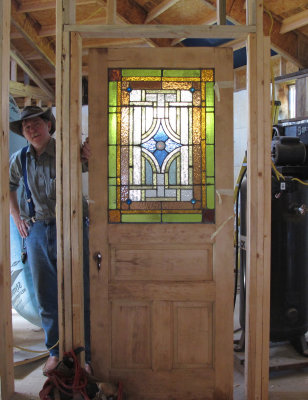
(210, 19)
(137, 15)
(294, 22)
(28, 29)
(18, 89)
(161, 8)
(37, 5)
(32, 73)
(291, 45)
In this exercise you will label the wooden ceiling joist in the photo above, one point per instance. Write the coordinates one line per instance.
(32, 73)
(137, 15)
(221, 12)
(37, 5)
(161, 8)
(18, 89)
(111, 11)
(92, 43)
(210, 19)
(161, 31)
(288, 44)
(294, 22)
(27, 27)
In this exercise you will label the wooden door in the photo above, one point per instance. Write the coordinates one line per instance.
(161, 207)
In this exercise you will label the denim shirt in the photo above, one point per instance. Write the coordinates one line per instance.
(41, 175)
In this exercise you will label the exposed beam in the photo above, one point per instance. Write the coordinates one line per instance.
(289, 44)
(32, 55)
(32, 73)
(161, 31)
(235, 44)
(210, 19)
(37, 5)
(27, 27)
(18, 89)
(137, 15)
(50, 30)
(111, 11)
(294, 22)
(92, 43)
(221, 12)
(159, 9)
(210, 4)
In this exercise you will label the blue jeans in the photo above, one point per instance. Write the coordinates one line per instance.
(41, 244)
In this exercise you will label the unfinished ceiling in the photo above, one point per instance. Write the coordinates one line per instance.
(33, 34)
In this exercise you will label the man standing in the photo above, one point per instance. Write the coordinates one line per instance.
(34, 167)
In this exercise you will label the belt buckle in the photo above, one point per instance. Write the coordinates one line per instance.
(33, 219)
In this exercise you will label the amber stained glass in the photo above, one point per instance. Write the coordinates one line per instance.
(161, 141)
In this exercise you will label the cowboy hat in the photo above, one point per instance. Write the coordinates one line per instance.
(32, 112)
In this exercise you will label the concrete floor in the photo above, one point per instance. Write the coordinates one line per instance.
(289, 384)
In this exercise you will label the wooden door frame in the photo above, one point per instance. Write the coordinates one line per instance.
(69, 211)
(6, 342)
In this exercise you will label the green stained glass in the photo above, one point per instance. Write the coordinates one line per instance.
(113, 93)
(185, 73)
(112, 194)
(141, 218)
(209, 96)
(210, 194)
(141, 72)
(161, 146)
(210, 128)
(209, 160)
(112, 161)
(112, 128)
(182, 218)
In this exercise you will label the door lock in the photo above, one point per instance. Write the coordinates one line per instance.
(98, 258)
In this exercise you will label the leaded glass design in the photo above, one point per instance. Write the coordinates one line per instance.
(161, 146)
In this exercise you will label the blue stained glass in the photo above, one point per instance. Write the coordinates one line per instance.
(148, 173)
(160, 145)
(192, 90)
(150, 145)
(129, 89)
(160, 156)
(160, 135)
(193, 201)
(171, 145)
(129, 201)
(172, 173)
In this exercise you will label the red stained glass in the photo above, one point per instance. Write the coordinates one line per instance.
(114, 75)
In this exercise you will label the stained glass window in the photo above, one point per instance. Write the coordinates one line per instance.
(161, 146)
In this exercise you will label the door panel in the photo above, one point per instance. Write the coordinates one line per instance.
(162, 301)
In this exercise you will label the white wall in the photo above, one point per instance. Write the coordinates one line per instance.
(240, 121)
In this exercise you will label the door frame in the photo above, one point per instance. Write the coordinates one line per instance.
(256, 371)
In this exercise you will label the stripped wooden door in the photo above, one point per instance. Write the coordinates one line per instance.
(161, 218)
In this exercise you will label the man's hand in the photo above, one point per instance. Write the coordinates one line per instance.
(22, 226)
(85, 151)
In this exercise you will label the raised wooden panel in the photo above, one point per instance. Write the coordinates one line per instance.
(193, 334)
(172, 291)
(186, 384)
(161, 262)
(162, 335)
(131, 343)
